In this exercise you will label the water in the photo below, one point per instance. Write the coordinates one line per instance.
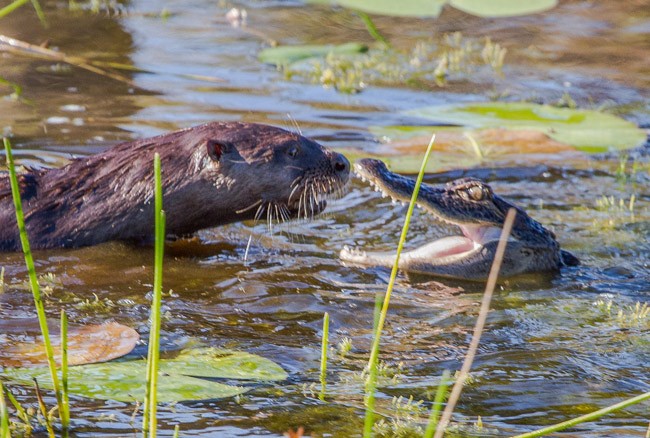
(551, 349)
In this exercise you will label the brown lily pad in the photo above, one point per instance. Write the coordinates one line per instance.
(86, 344)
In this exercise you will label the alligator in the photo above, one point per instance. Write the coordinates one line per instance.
(471, 205)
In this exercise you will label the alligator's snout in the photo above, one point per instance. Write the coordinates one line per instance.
(471, 205)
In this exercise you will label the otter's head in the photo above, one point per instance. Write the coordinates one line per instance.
(264, 172)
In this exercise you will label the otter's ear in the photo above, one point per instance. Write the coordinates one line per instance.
(216, 148)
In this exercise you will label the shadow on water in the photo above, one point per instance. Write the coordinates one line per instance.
(552, 348)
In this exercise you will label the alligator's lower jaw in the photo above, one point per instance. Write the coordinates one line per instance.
(452, 250)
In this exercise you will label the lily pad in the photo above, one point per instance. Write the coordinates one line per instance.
(502, 8)
(432, 8)
(403, 8)
(125, 381)
(586, 130)
(284, 55)
(86, 344)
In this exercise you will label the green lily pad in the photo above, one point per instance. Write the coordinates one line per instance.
(432, 8)
(586, 130)
(403, 8)
(502, 8)
(284, 55)
(125, 381)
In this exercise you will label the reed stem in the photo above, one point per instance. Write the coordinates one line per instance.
(587, 417)
(33, 280)
(150, 404)
(323, 353)
(374, 352)
(4, 414)
(65, 405)
(480, 324)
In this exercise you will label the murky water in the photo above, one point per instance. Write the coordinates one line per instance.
(551, 349)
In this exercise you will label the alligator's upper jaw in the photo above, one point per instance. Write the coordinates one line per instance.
(443, 256)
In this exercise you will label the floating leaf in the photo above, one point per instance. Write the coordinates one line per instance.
(225, 364)
(403, 8)
(284, 55)
(588, 131)
(86, 344)
(432, 8)
(502, 8)
(125, 381)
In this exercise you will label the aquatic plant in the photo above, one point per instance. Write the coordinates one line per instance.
(18, 3)
(323, 357)
(35, 287)
(349, 69)
(149, 422)
(382, 304)
(4, 414)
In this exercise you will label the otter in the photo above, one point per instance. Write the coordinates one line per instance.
(212, 174)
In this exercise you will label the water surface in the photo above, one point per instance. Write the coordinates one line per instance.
(551, 349)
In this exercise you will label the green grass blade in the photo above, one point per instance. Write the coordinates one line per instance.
(374, 352)
(33, 281)
(21, 413)
(439, 398)
(372, 29)
(11, 7)
(150, 406)
(4, 414)
(587, 417)
(323, 354)
(39, 13)
(65, 405)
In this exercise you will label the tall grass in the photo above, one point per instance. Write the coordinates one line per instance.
(587, 417)
(18, 3)
(4, 414)
(33, 282)
(323, 354)
(65, 402)
(438, 401)
(149, 423)
(373, 362)
(480, 324)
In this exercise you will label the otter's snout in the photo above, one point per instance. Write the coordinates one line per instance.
(341, 165)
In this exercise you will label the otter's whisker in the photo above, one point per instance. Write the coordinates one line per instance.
(269, 219)
(250, 207)
(293, 192)
(259, 212)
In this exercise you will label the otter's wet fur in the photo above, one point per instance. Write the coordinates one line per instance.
(212, 174)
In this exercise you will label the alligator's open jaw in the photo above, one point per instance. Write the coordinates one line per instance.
(471, 205)
(399, 189)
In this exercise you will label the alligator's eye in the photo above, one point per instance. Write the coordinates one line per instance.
(293, 151)
(475, 193)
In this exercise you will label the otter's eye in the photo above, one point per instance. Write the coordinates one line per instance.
(293, 151)
(475, 193)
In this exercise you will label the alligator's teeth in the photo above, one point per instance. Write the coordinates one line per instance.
(393, 201)
(346, 248)
(404, 204)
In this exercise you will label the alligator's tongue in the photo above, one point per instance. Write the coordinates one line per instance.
(446, 246)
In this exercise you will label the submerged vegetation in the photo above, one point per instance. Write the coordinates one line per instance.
(452, 58)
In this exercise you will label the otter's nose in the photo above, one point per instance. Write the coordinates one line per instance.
(341, 164)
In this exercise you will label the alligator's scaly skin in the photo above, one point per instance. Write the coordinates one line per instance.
(470, 204)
